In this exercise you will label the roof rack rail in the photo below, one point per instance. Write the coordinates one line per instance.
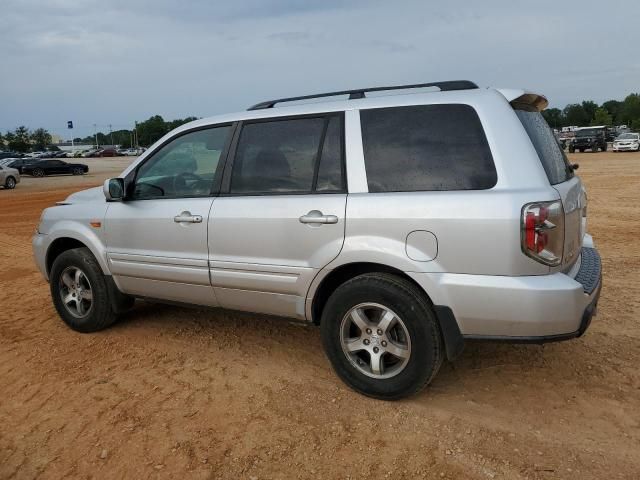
(360, 92)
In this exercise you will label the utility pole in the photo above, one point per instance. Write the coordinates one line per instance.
(95, 133)
(70, 127)
(111, 133)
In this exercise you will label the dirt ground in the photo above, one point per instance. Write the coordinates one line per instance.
(180, 393)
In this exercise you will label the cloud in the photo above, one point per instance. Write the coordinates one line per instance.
(116, 61)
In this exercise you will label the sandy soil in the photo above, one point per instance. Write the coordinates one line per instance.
(179, 393)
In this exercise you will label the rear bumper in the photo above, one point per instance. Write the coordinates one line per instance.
(528, 309)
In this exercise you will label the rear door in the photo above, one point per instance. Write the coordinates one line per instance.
(281, 215)
(57, 167)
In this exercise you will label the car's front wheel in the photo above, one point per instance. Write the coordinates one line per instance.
(38, 172)
(79, 291)
(77, 171)
(381, 336)
(10, 183)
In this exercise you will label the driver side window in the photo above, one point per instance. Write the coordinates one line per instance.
(185, 167)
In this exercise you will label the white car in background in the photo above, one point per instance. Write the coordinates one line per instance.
(9, 177)
(626, 142)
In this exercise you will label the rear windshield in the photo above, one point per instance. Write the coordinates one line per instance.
(553, 158)
(588, 132)
(628, 136)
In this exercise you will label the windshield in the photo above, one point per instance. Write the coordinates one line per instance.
(588, 132)
(628, 136)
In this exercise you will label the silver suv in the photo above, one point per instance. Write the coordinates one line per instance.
(402, 225)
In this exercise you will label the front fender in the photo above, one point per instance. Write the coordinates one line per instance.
(85, 234)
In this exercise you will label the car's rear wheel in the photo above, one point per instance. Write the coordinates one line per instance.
(77, 171)
(382, 336)
(79, 291)
(10, 183)
(38, 172)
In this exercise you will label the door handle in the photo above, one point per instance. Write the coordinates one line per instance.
(186, 217)
(316, 216)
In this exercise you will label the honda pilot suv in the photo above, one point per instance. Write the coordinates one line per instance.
(404, 226)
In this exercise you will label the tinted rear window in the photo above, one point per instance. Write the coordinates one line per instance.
(553, 158)
(426, 148)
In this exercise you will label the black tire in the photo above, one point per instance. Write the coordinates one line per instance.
(594, 149)
(582, 150)
(10, 183)
(604, 147)
(77, 171)
(412, 306)
(100, 315)
(38, 172)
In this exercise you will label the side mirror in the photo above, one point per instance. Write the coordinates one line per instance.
(113, 189)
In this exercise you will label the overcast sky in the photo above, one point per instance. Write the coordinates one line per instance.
(116, 61)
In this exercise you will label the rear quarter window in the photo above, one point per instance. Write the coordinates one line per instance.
(553, 159)
(426, 148)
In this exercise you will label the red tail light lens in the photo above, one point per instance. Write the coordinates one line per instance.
(542, 232)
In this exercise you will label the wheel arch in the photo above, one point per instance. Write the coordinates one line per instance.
(343, 273)
(64, 243)
(451, 334)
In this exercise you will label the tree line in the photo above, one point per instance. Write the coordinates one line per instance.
(146, 132)
(22, 140)
(587, 113)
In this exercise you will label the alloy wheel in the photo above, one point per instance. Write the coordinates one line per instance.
(75, 291)
(375, 340)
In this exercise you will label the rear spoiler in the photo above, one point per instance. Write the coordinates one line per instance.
(523, 100)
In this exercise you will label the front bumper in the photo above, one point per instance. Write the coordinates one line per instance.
(625, 148)
(535, 309)
(40, 244)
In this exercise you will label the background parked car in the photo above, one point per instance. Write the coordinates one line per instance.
(627, 142)
(11, 155)
(54, 167)
(109, 152)
(9, 177)
(592, 138)
(92, 153)
(18, 163)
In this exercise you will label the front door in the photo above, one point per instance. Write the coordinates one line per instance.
(281, 216)
(157, 237)
(57, 167)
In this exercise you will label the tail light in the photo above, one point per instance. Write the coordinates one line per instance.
(542, 231)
